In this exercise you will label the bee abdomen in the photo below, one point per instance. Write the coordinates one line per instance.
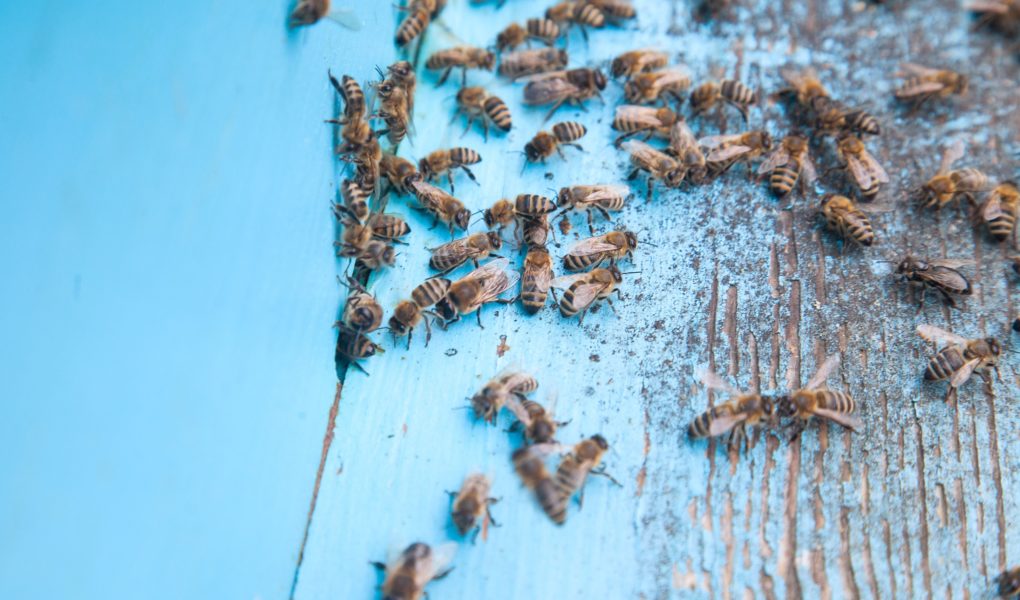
(782, 180)
(498, 112)
(543, 29)
(536, 231)
(859, 228)
(447, 262)
(567, 308)
(587, 14)
(863, 122)
(704, 95)
(619, 10)
(737, 92)
(430, 292)
(943, 365)
(464, 156)
(569, 131)
(533, 205)
(551, 500)
(840, 402)
(412, 26)
(577, 262)
(701, 425)
(532, 298)
(1001, 226)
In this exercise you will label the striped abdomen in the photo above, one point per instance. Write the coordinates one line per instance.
(944, 364)
(579, 262)
(412, 26)
(839, 402)
(396, 125)
(552, 501)
(532, 297)
(862, 122)
(533, 205)
(1002, 224)
(544, 30)
(567, 306)
(737, 92)
(569, 131)
(969, 180)
(354, 98)
(586, 14)
(430, 292)
(617, 9)
(536, 231)
(498, 113)
(701, 426)
(855, 225)
(464, 156)
(570, 476)
(783, 179)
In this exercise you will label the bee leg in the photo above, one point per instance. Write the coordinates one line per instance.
(559, 151)
(950, 394)
(619, 140)
(591, 227)
(650, 183)
(485, 130)
(443, 574)
(449, 179)
(488, 513)
(474, 535)
(613, 308)
(798, 428)
(469, 174)
(463, 77)
(478, 316)
(553, 292)
(633, 174)
(602, 471)
(409, 332)
(354, 363)
(444, 76)
(467, 128)
(555, 107)
(378, 565)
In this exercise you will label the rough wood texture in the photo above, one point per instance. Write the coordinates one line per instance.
(915, 505)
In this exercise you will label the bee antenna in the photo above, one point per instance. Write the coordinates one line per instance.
(630, 272)
(644, 243)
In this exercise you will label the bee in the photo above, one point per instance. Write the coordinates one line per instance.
(583, 289)
(500, 390)
(476, 103)
(1000, 210)
(442, 206)
(947, 184)
(362, 312)
(375, 255)
(556, 88)
(577, 13)
(532, 62)
(529, 463)
(536, 276)
(541, 147)
(616, 10)
(864, 170)
(590, 198)
(536, 230)
(815, 400)
(538, 423)
(400, 172)
(479, 287)
(394, 111)
(734, 415)
(409, 573)
(446, 160)
(366, 161)
(525, 206)
(514, 35)
(727, 150)
(941, 276)
(352, 95)
(353, 346)
(923, 84)
(804, 86)
(959, 358)
(472, 503)
(1008, 582)
(861, 122)
(653, 122)
(845, 217)
(309, 12)
(658, 165)
(729, 91)
(419, 14)
(401, 74)
(631, 63)
(474, 247)
(388, 227)
(789, 165)
(355, 201)
(650, 88)
(1002, 16)
(684, 147)
(409, 313)
(356, 137)
(584, 459)
(596, 250)
(1016, 264)
(355, 237)
(500, 214)
(825, 114)
(463, 57)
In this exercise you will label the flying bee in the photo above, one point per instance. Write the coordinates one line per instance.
(815, 400)
(659, 166)
(947, 185)
(631, 63)
(729, 91)
(409, 573)
(399, 172)
(1000, 209)
(442, 206)
(463, 57)
(610, 246)
(523, 63)
(541, 147)
(923, 84)
(615, 10)
(472, 503)
(573, 13)
(445, 161)
(362, 312)
(1008, 582)
(862, 167)
(591, 198)
(727, 150)
(848, 219)
(941, 276)
(529, 463)
(498, 391)
(538, 424)
(653, 122)
(355, 201)
(583, 289)
(661, 85)
(536, 230)
(394, 111)
(559, 87)
(536, 276)
(388, 227)
(374, 256)
(354, 99)
(684, 147)
(477, 103)
(584, 459)
(482, 286)
(789, 165)
(474, 247)
(733, 416)
(353, 346)
(958, 358)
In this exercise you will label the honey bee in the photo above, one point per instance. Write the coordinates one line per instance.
(653, 122)
(409, 573)
(529, 463)
(366, 161)
(375, 255)
(355, 201)
(472, 503)
(536, 230)
(1000, 210)
(442, 206)
(864, 170)
(659, 166)
(362, 312)
(500, 390)
(815, 400)
(804, 86)
(590, 198)
(958, 358)
(409, 313)
(846, 218)
(401, 74)
(532, 62)
(474, 247)
(355, 237)
(947, 185)
(615, 10)
(583, 289)
(789, 165)
(1008, 582)
(536, 277)
(309, 12)
(556, 88)
(479, 287)
(394, 111)
(581, 14)
(584, 459)
(400, 172)
(923, 84)
(476, 103)
(463, 57)
(825, 114)
(727, 150)
(445, 161)
(388, 227)
(353, 346)
(729, 91)
(861, 122)
(733, 416)
(538, 423)
(631, 63)
(941, 276)
(419, 14)
(541, 147)
(525, 206)
(1002, 16)
(684, 147)
(596, 250)
(514, 35)
(661, 85)
(352, 95)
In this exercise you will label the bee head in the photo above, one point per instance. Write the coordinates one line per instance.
(463, 218)
(401, 69)
(494, 240)
(397, 327)
(600, 441)
(615, 272)
(531, 151)
(993, 346)
(631, 238)
(599, 78)
(488, 60)
(962, 84)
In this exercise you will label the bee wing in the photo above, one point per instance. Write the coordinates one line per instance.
(918, 70)
(807, 169)
(427, 194)
(592, 245)
(643, 115)
(723, 423)
(488, 270)
(991, 6)
(823, 372)
(797, 78)
(641, 150)
(777, 159)
(711, 380)
(713, 141)
(849, 421)
(681, 137)
(961, 376)
(860, 172)
(950, 263)
(597, 193)
(455, 249)
(938, 336)
(992, 207)
(565, 281)
(442, 556)
(547, 91)
(586, 293)
(497, 284)
(727, 153)
(952, 154)
(672, 77)
(515, 406)
(919, 89)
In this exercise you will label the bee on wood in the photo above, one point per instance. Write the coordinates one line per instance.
(535, 420)
(999, 211)
(309, 12)
(353, 346)
(463, 57)
(662, 85)
(399, 172)
(862, 167)
(574, 13)
(474, 247)
(529, 463)
(923, 84)
(362, 312)
(727, 150)
(559, 87)
(394, 111)
(442, 206)
(615, 10)
(631, 63)
(848, 219)
(861, 122)
(653, 122)
(477, 103)
(733, 416)
(729, 91)
(409, 573)
(1008, 582)
(789, 165)
(523, 63)
(352, 95)
(941, 276)
(584, 459)
(610, 246)
(684, 147)
(958, 358)
(376, 255)
(536, 230)
(482, 286)
(948, 185)
(826, 116)
(541, 147)
(591, 198)
(815, 400)
(472, 503)
(583, 289)
(500, 390)
(445, 161)
(355, 201)
(659, 166)
(409, 313)
(536, 276)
